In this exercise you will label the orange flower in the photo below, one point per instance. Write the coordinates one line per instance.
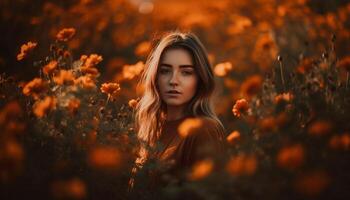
(35, 88)
(320, 127)
(13, 150)
(313, 183)
(284, 97)
(105, 158)
(344, 63)
(233, 137)
(143, 48)
(65, 34)
(267, 124)
(281, 119)
(42, 107)
(133, 103)
(50, 67)
(242, 165)
(251, 86)
(85, 82)
(222, 69)
(130, 71)
(73, 106)
(91, 71)
(64, 77)
(13, 155)
(231, 83)
(10, 111)
(69, 189)
(14, 127)
(83, 58)
(291, 157)
(66, 54)
(265, 50)
(241, 106)
(89, 64)
(266, 42)
(305, 65)
(189, 127)
(239, 24)
(111, 89)
(201, 169)
(340, 141)
(25, 50)
(92, 60)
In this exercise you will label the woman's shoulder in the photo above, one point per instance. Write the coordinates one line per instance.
(206, 139)
(210, 123)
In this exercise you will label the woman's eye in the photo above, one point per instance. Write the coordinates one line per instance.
(187, 72)
(164, 71)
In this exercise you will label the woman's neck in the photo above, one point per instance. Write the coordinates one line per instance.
(175, 113)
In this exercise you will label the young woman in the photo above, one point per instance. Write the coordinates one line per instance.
(175, 122)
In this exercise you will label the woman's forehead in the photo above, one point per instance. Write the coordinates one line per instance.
(178, 56)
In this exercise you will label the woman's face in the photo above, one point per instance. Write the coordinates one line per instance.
(176, 77)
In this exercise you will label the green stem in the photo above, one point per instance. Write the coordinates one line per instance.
(107, 100)
(282, 77)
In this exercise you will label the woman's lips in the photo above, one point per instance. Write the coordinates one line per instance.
(173, 93)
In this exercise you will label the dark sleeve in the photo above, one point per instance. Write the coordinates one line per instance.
(205, 142)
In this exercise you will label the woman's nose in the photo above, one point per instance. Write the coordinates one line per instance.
(174, 79)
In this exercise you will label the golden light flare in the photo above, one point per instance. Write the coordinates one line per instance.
(233, 137)
(73, 188)
(189, 127)
(222, 69)
(242, 164)
(340, 142)
(105, 158)
(131, 71)
(143, 48)
(320, 127)
(291, 157)
(312, 183)
(201, 169)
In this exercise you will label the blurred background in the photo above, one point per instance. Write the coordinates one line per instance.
(248, 34)
(244, 40)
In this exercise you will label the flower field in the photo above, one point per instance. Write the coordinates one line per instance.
(68, 91)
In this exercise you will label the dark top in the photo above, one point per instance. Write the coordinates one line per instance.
(182, 143)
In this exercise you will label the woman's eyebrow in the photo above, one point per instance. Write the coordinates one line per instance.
(181, 66)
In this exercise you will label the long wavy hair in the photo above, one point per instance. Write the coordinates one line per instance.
(151, 111)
